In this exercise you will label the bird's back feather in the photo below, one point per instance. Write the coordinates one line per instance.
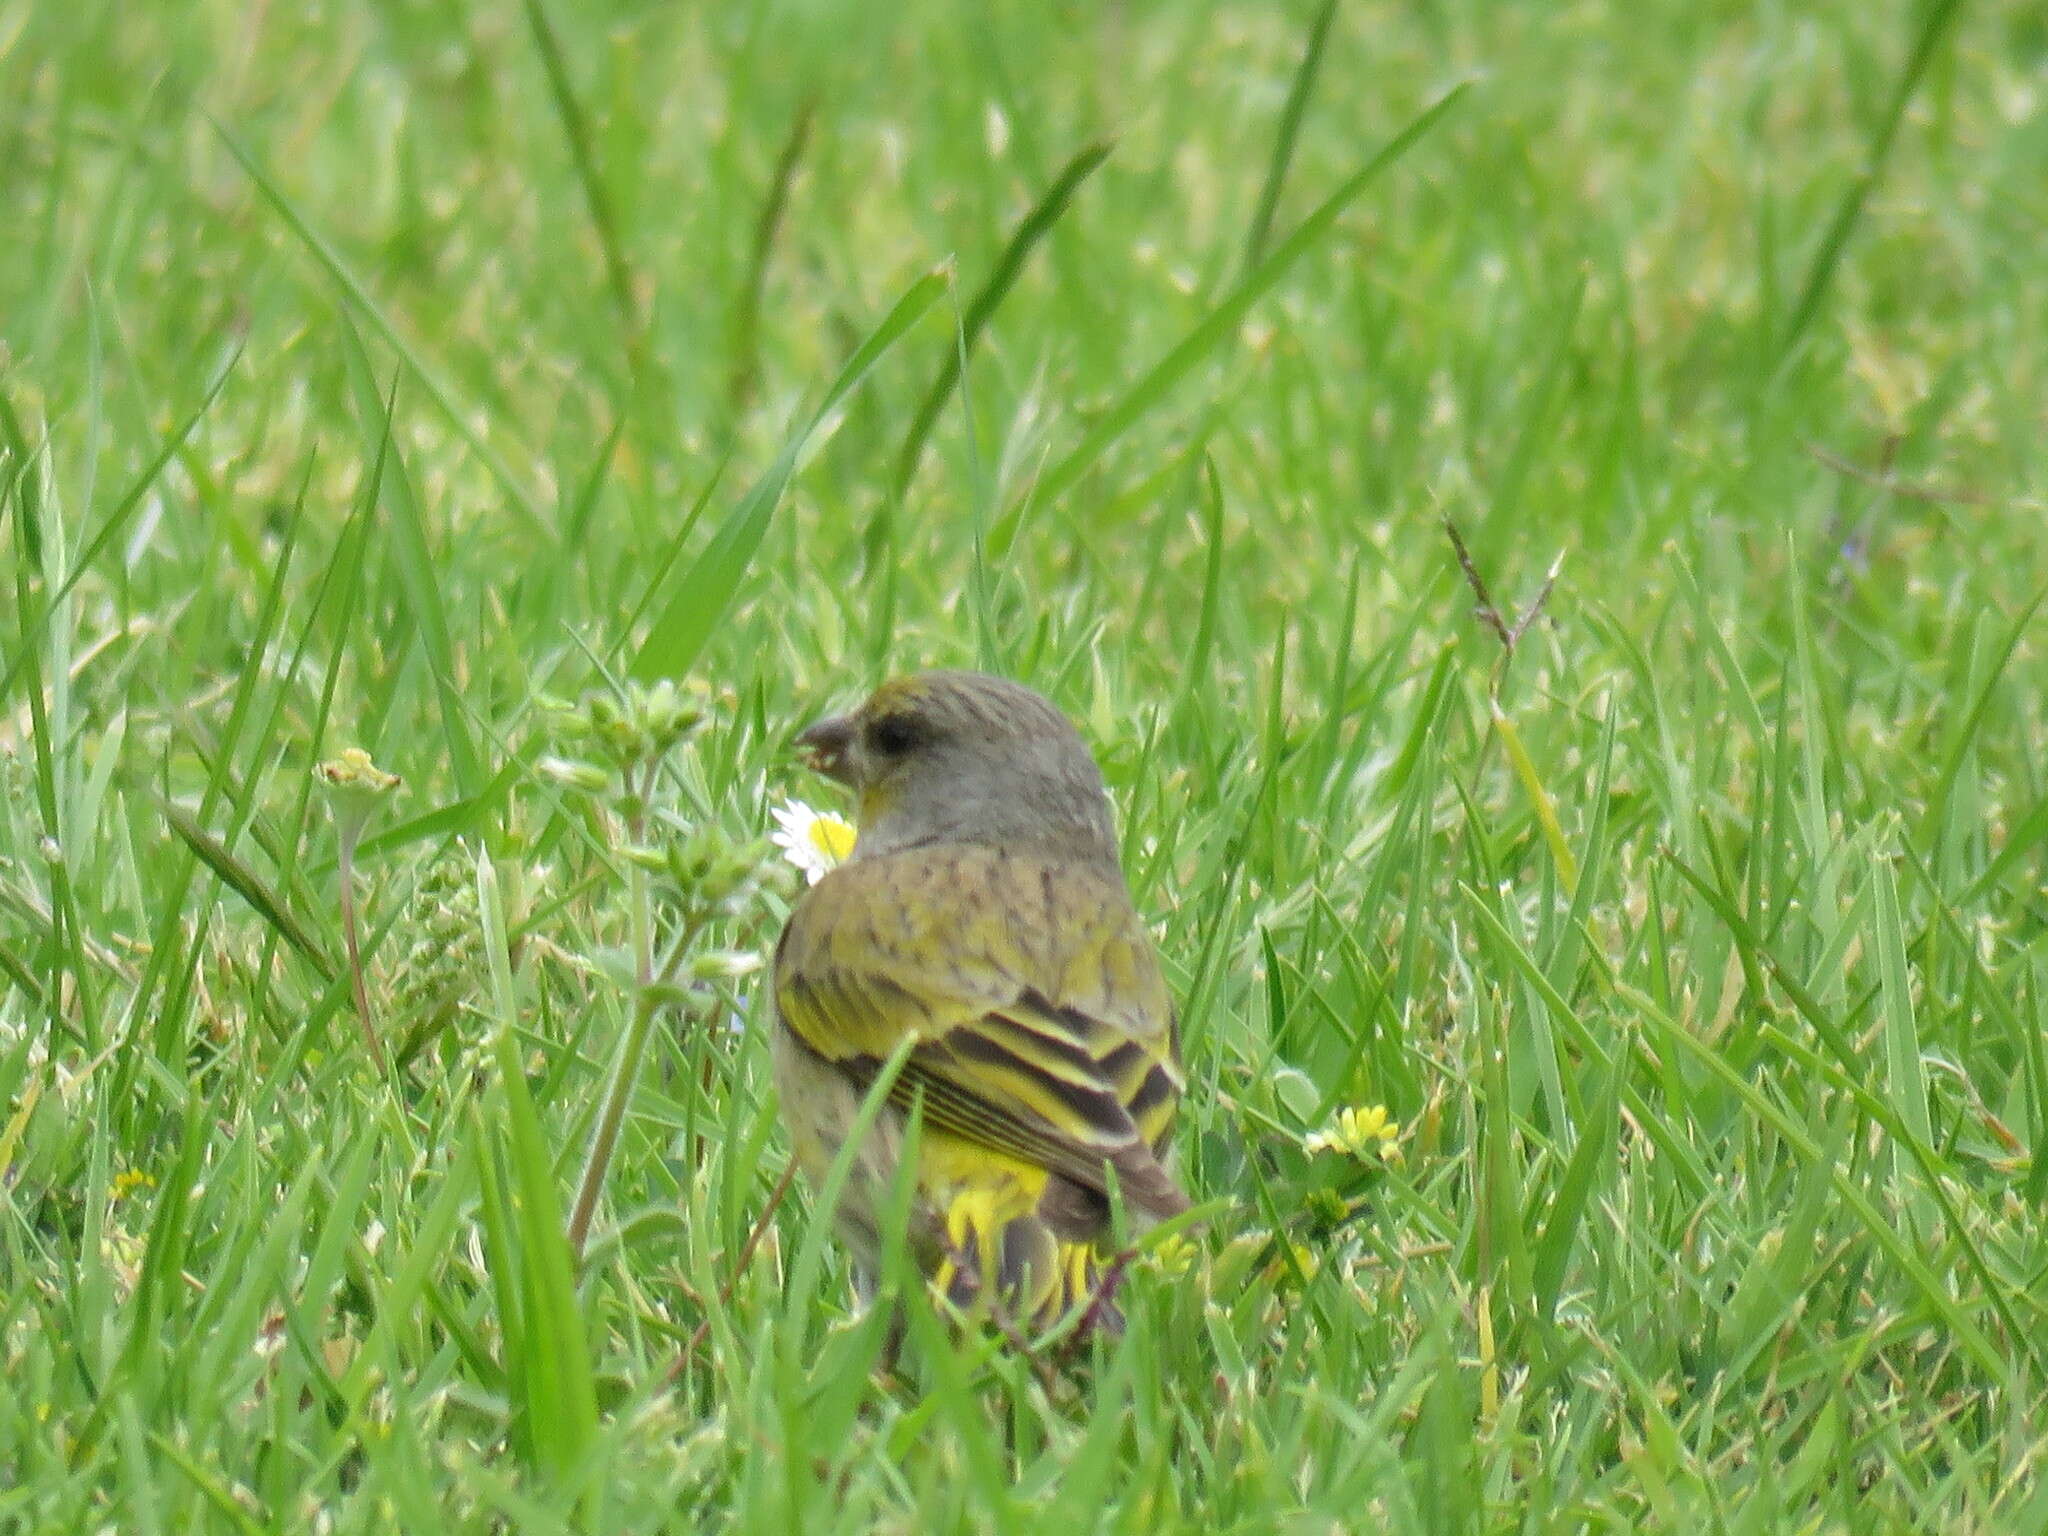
(1042, 1024)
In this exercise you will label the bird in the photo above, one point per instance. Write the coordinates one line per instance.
(982, 925)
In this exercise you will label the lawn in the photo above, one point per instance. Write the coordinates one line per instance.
(1670, 866)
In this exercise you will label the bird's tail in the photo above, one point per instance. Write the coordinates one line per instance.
(1019, 1271)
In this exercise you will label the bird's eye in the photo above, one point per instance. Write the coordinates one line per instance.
(893, 735)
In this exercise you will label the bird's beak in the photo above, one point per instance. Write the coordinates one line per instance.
(827, 745)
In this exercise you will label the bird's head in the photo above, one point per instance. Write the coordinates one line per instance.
(965, 757)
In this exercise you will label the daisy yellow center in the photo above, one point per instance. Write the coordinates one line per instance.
(832, 837)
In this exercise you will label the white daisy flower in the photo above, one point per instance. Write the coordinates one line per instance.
(811, 839)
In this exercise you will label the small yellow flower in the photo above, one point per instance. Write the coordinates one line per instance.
(1306, 1260)
(353, 771)
(813, 840)
(127, 1181)
(1304, 1267)
(354, 787)
(1173, 1256)
(1364, 1132)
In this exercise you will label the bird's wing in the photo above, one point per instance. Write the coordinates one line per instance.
(1041, 1021)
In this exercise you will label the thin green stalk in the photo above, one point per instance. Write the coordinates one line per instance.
(626, 1068)
(345, 870)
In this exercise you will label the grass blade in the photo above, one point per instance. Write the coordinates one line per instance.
(417, 571)
(561, 1397)
(250, 886)
(115, 521)
(1904, 1075)
(576, 129)
(1574, 1193)
(746, 325)
(1902, 1251)
(1290, 128)
(1220, 323)
(1827, 257)
(1031, 229)
(707, 590)
(460, 417)
(451, 820)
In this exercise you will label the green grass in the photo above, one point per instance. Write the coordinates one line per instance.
(371, 374)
